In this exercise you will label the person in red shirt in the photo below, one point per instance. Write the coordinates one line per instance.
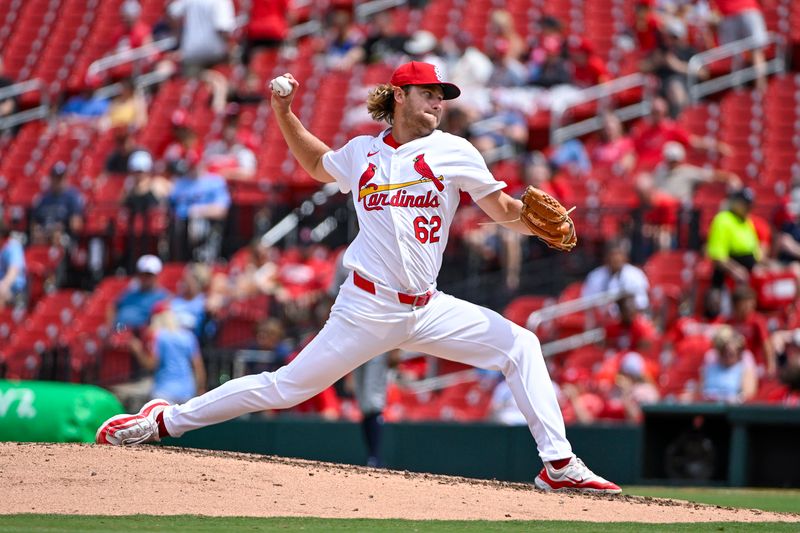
(743, 19)
(632, 330)
(133, 32)
(588, 68)
(615, 149)
(267, 28)
(646, 26)
(753, 326)
(650, 136)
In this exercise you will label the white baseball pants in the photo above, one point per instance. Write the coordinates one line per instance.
(363, 325)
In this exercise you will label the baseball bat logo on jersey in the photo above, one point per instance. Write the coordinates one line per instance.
(375, 197)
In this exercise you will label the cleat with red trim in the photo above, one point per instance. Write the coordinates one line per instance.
(574, 476)
(127, 430)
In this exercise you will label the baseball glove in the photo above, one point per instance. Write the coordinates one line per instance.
(548, 219)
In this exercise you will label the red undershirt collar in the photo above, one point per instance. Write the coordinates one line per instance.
(390, 140)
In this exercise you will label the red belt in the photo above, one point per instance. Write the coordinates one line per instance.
(417, 300)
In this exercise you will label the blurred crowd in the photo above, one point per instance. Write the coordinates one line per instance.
(177, 195)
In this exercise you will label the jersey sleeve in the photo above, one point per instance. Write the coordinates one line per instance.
(472, 175)
(339, 163)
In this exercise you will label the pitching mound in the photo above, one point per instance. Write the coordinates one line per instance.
(88, 479)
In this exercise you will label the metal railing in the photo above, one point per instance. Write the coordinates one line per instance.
(739, 74)
(129, 56)
(36, 113)
(290, 222)
(552, 312)
(602, 94)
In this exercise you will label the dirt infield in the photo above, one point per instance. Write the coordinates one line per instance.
(88, 479)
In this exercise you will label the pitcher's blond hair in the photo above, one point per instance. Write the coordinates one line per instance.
(380, 102)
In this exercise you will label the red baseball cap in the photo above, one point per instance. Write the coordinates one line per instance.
(419, 73)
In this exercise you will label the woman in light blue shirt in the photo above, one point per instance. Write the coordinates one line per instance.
(13, 277)
(729, 373)
(173, 354)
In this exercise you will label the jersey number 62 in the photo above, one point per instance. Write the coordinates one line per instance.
(427, 230)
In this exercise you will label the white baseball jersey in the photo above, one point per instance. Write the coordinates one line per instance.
(405, 200)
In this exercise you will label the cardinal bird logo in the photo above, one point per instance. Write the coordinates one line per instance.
(425, 171)
(367, 175)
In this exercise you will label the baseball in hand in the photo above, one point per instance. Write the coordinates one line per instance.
(281, 86)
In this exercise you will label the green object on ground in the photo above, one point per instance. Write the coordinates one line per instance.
(46, 411)
(781, 501)
(194, 524)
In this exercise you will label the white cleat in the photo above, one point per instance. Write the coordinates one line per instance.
(127, 430)
(574, 476)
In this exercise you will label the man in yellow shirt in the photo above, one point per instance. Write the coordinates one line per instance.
(732, 240)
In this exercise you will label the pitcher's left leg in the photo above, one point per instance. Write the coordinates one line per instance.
(462, 331)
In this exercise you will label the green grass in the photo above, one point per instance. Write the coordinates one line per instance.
(177, 524)
(782, 501)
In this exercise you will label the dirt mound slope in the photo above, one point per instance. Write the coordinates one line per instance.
(89, 479)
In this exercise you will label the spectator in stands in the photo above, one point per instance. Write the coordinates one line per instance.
(786, 343)
(633, 386)
(616, 148)
(341, 38)
(632, 330)
(468, 65)
(256, 274)
(186, 144)
(148, 190)
(190, 305)
(788, 240)
(506, 49)
(733, 243)
(84, 106)
(538, 171)
(58, 213)
(650, 136)
(424, 46)
(505, 43)
(743, 19)
(13, 274)
(588, 68)
(752, 325)
(173, 355)
(646, 26)
(729, 372)
(669, 61)
(200, 203)
(267, 27)
(571, 156)
(124, 146)
(383, 43)
(679, 179)
(127, 110)
(271, 337)
(502, 129)
(249, 92)
(8, 106)
(206, 28)
(229, 155)
(617, 274)
(205, 41)
(133, 308)
(133, 32)
(549, 66)
(199, 195)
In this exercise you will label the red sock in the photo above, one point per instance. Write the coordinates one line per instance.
(162, 428)
(558, 464)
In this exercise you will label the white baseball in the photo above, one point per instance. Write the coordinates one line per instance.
(281, 86)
